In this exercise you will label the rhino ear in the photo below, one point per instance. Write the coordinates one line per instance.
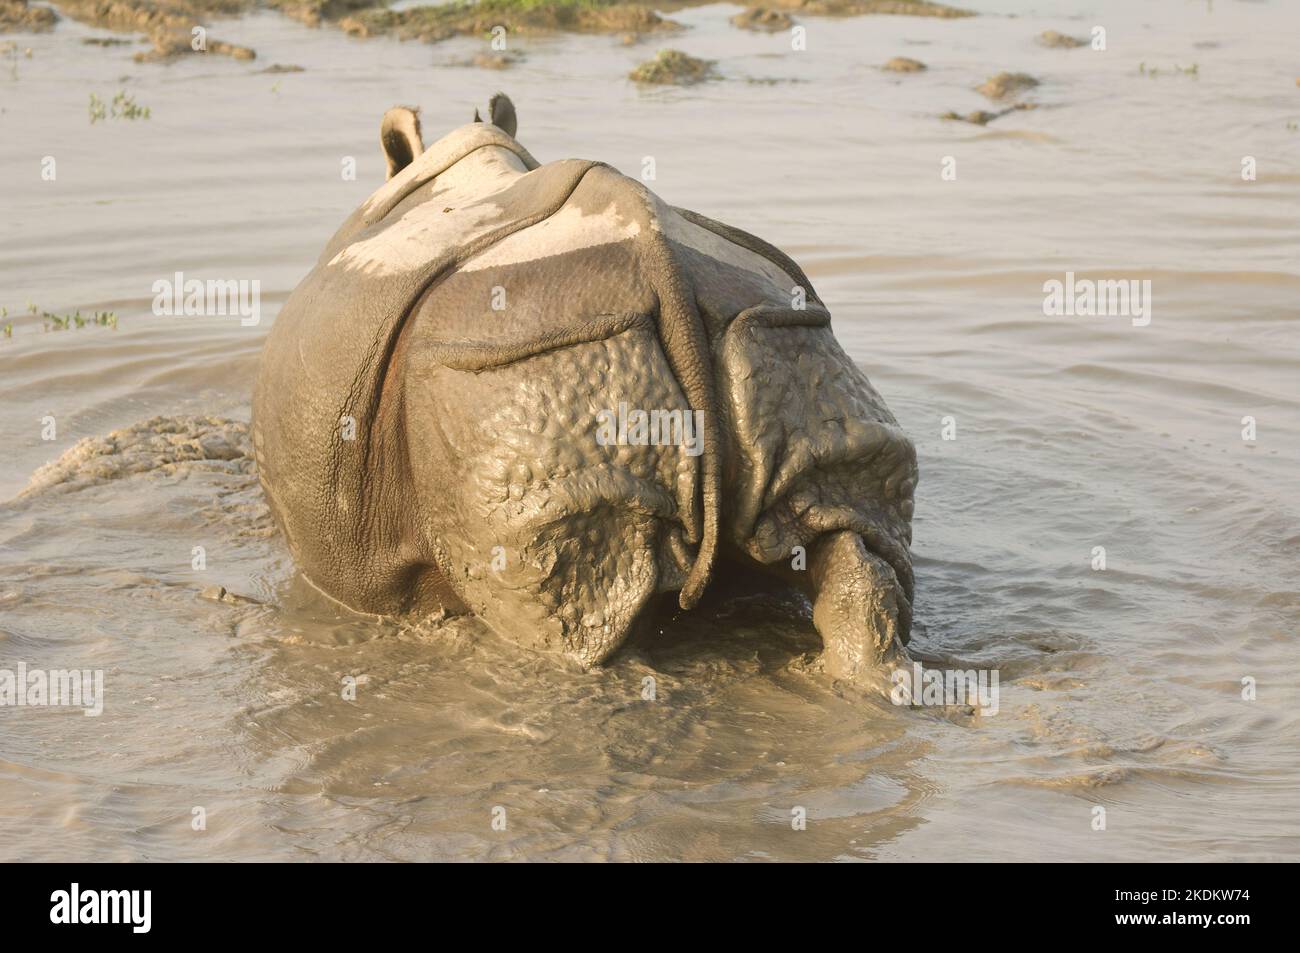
(399, 134)
(503, 115)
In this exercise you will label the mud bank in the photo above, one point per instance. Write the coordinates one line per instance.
(170, 24)
(763, 20)
(18, 16)
(463, 18)
(632, 19)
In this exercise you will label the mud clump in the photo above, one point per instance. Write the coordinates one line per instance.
(673, 68)
(18, 16)
(763, 20)
(162, 445)
(1060, 41)
(904, 64)
(466, 18)
(982, 117)
(1006, 85)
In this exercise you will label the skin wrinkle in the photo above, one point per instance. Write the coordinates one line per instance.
(587, 490)
(765, 316)
(473, 356)
(867, 450)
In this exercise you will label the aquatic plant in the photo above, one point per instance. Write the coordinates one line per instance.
(123, 106)
(61, 322)
(1154, 71)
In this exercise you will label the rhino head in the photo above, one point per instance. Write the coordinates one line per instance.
(541, 394)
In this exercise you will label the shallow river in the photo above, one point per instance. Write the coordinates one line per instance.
(1120, 688)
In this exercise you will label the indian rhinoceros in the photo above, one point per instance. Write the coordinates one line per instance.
(541, 394)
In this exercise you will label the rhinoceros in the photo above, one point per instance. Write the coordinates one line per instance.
(541, 394)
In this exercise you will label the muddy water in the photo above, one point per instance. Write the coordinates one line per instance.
(1120, 688)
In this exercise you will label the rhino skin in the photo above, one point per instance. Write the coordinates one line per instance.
(427, 410)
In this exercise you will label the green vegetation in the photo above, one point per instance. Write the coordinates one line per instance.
(1154, 71)
(62, 322)
(123, 106)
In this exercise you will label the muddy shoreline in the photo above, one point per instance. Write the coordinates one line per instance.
(179, 27)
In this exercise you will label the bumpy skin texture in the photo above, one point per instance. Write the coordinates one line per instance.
(425, 420)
